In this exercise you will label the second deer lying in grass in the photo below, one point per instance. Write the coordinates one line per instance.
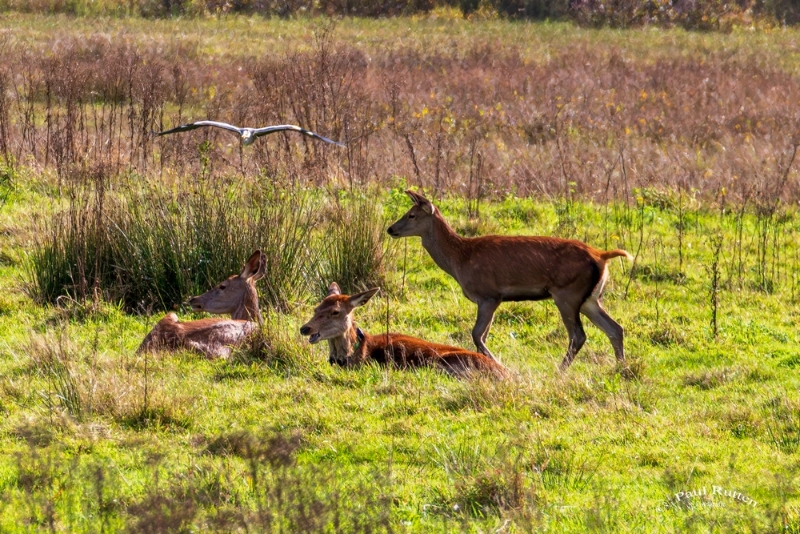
(214, 337)
(350, 347)
(492, 269)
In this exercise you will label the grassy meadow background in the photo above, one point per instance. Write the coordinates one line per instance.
(677, 146)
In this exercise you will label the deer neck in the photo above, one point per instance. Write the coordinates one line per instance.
(347, 346)
(248, 309)
(443, 244)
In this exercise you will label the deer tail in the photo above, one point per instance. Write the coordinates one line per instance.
(607, 255)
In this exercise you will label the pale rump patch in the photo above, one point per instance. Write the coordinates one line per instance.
(597, 292)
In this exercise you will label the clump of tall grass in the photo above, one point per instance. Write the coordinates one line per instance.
(78, 384)
(353, 246)
(479, 394)
(277, 345)
(782, 420)
(709, 379)
(151, 246)
(54, 361)
(485, 483)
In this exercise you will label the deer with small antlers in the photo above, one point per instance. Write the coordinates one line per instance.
(351, 347)
(494, 269)
(214, 337)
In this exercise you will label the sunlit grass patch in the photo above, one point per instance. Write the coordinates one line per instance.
(99, 438)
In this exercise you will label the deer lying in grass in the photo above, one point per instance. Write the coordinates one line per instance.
(493, 269)
(350, 347)
(214, 337)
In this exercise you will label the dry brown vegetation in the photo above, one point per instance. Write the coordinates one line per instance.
(473, 116)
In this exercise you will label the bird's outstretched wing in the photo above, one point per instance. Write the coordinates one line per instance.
(258, 132)
(200, 124)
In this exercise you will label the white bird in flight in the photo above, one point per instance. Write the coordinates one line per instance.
(249, 135)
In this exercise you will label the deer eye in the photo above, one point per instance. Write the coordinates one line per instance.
(222, 287)
(411, 216)
(335, 312)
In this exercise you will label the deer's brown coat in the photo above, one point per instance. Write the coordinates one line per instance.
(214, 337)
(494, 269)
(350, 347)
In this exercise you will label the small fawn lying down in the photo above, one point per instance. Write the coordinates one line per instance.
(493, 269)
(214, 337)
(350, 347)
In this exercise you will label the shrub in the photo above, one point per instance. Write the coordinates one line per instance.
(372, 8)
(529, 9)
(151, 247)
(688, 14)
(353, 245)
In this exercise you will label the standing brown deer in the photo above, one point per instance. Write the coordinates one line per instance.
(351, 347)
(493, 269)
(214, 337)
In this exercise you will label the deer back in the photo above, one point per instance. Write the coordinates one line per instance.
(212, 337)
(402, 351)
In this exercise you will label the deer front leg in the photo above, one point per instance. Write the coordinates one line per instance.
(486, 309)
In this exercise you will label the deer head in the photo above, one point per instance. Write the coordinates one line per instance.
(417, 220)
(237, 295)
(333, 317)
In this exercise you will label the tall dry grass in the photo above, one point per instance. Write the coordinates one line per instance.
(474, 117)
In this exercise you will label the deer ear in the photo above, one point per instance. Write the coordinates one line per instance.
(333, 289)
(362, 298)
(413, 196)
(421, 201)
(426, 205)
(252, 266)
(262, 270)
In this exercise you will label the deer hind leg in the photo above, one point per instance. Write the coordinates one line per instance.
(597, 315)
(570, 314)
(486, 309)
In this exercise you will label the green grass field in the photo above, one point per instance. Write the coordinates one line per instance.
(95, 436)
(698, 432)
